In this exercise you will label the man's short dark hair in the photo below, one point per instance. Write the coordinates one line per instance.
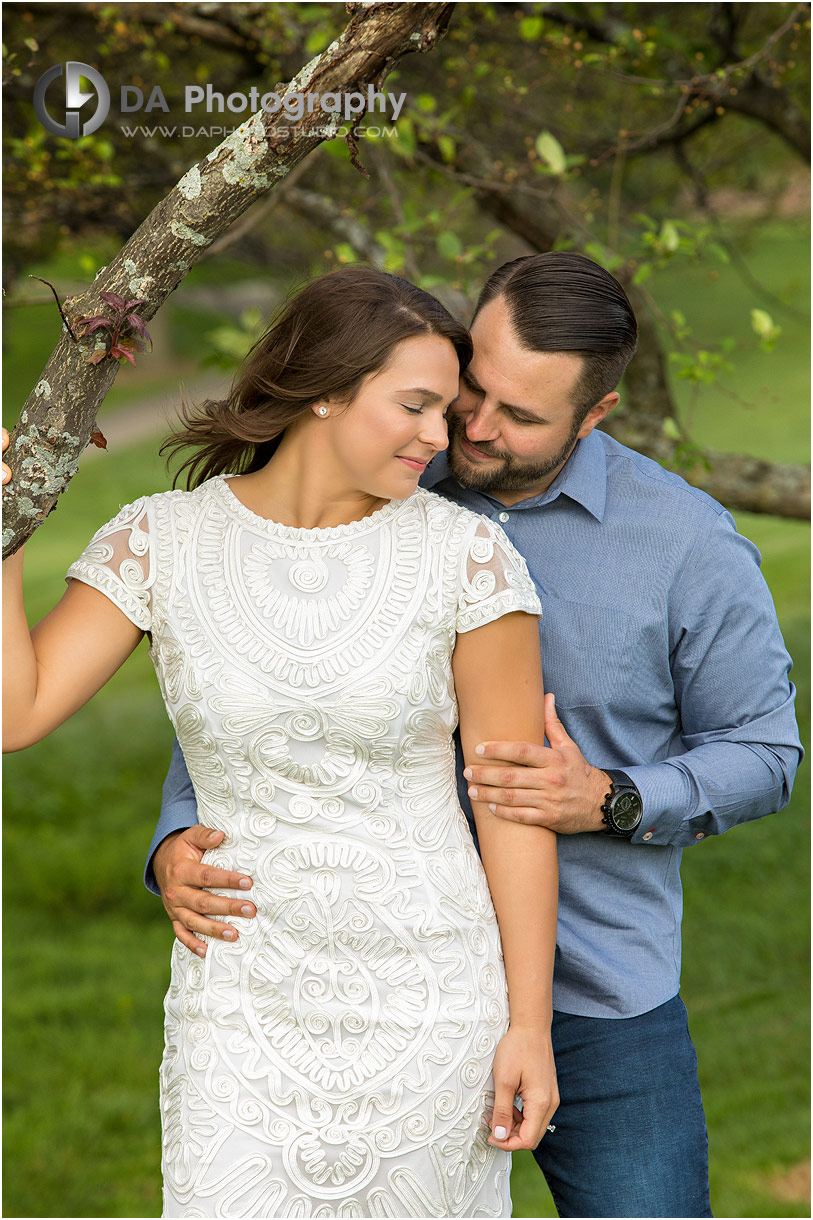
(564, 302)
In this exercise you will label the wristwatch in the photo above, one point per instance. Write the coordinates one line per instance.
(623, 807)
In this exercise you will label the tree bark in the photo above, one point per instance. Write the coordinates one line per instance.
(58, 416)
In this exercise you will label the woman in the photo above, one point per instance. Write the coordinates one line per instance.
(316, 623)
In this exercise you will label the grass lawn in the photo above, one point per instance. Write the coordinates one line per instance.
(87, 949)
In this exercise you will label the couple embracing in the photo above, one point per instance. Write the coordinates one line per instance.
(384, 520)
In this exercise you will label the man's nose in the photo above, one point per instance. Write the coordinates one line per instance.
(481, 423)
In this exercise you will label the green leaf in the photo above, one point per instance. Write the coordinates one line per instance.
(762, 323)
(426, 102)
(389, 241)
(719, 251)
(406, 142)
(671, 430)
(530, 28)
(642, 272)
(447, 148)
(551, 152)
(595, 250)
(449, 244)
(669, 236)
(764, 326)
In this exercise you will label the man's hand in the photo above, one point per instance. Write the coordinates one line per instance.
(183, 882)
(552, 786)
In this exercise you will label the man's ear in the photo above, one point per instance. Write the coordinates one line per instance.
(597, 413)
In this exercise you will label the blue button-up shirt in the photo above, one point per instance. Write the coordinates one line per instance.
(660, 642)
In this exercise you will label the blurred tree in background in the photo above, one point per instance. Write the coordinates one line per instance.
(626, 131)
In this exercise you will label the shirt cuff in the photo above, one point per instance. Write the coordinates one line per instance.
(667, 797)
(180, 817)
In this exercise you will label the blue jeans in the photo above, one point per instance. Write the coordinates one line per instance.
(630, 1136)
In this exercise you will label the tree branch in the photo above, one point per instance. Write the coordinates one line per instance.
(771, 106)
(737, 86)
(340, 222)
(746, 484)
(57, 418)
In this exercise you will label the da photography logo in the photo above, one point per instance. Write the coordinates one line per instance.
(75, 99)
(131, 99)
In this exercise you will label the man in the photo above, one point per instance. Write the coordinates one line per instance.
(673, 720)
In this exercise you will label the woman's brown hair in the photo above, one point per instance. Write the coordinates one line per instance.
(338, 330)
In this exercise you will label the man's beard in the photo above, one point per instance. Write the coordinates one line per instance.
(511, 474)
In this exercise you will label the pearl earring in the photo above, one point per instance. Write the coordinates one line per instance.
(321, 411)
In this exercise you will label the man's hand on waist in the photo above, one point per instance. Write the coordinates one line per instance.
(184, 883)
(552, 786)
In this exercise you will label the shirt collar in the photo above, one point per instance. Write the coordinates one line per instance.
(583, 478)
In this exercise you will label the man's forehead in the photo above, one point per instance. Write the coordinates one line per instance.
(516, 372)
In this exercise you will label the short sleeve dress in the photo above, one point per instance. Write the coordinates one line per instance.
(336, 1060)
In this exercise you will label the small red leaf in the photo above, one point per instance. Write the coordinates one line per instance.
(97, 439)
(113, 299)
(136, 323)
(121, 352)
(97, 357)
(92, 324)
(134, 304)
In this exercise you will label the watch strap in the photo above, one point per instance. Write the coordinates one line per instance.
(620, 784)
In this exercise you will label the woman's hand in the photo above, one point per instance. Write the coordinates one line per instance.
(523, 1065)
(6, 470)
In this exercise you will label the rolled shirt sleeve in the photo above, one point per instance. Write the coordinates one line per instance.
(732, 690)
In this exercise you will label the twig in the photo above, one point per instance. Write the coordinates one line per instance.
(410, 264)
(58, 305)
(695, 84)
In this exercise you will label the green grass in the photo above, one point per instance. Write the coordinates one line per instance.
(87, 949)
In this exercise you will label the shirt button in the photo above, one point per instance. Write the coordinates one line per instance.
(700, 835)
(647, 836)
(503, 517)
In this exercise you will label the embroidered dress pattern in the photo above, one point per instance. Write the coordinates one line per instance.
(336, 1060)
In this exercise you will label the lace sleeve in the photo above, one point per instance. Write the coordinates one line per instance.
(494, 579)
(117, 561)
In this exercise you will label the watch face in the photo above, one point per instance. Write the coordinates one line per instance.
(627, 811)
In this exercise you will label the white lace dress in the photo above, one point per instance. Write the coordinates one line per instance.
(336, 1060)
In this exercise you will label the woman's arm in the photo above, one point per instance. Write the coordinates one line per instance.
(498, 680)
(52, 671)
